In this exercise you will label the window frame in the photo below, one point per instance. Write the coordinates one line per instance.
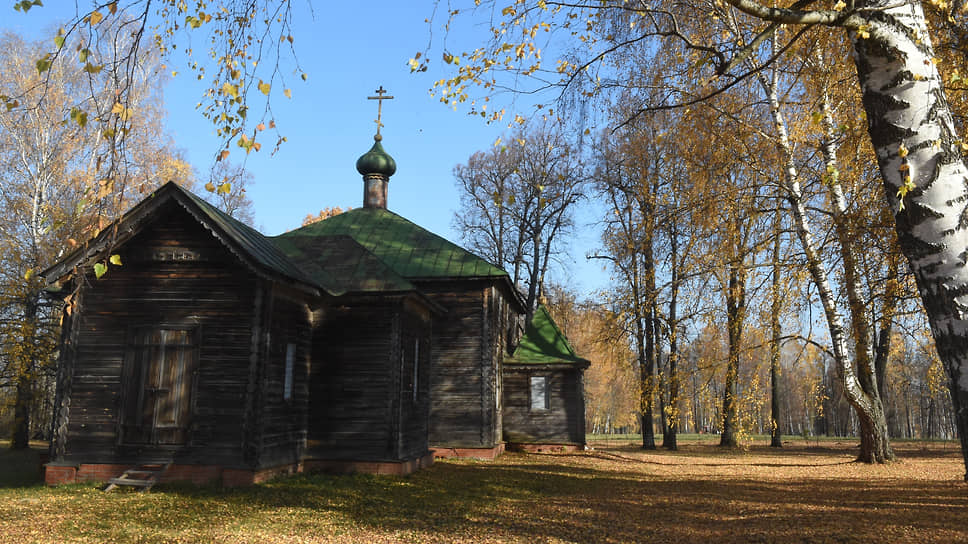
(545, 392)
(288, 376)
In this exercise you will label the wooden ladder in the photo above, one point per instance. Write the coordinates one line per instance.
(142, 477)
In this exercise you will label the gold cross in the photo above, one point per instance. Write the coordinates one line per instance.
(379, 109)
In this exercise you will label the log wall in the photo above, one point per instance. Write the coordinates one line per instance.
(564, 420)
(361, 405)
(469, 348)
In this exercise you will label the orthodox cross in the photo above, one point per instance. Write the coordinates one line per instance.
(379, 109)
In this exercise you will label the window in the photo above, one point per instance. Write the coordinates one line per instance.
(290, 360)
(416, 364)
(539, 393)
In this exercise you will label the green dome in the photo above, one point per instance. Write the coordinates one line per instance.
(376, 161)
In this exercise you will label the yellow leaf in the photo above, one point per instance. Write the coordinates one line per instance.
(210, 187)
(29, 274)
(117, 108)
(288, 93)
(264, 87)
(100, 269)
(115, 259)
(223, 155)
(95, 18)
(224, 188)
(230, 90)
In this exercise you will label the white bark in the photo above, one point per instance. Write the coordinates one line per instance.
(906, 106)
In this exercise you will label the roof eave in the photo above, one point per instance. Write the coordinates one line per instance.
(551, 365)
(131, 222)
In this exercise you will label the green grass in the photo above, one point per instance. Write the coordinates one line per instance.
(21, 468)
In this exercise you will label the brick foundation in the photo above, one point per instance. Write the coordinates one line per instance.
(196, 474)
(56, 474)
(484, 454)
(395, 468)
(546, 448)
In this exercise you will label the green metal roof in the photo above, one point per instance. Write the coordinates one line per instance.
(349, 267)
(406, 248)
(543, 343)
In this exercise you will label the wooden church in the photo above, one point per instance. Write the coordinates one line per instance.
(359, 343)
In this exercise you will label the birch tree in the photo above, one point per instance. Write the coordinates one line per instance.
(52, 198)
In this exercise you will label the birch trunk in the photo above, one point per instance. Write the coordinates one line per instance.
(855, 375)
(911, 128)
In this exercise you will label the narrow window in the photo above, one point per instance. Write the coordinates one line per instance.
(539, 393)
(416, 365)
(290, 359)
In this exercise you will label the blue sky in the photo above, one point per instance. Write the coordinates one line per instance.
(348, 50)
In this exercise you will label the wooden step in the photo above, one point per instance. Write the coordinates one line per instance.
(133, 483)
(142, 477)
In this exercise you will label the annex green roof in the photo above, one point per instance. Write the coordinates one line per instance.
(409, 250)
(543, 343)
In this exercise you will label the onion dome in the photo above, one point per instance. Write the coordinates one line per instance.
(376, 161)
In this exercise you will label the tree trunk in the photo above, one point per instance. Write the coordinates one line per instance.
(776, 438)
(735, 316)
(20, 438)
(26, 375)
(856, 376)
(646, 383)
(669, 439)
(918, 154)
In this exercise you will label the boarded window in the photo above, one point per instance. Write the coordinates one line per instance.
(539, 393)
(290, 361)
(416, 367)
(158, 384)
(410, 366)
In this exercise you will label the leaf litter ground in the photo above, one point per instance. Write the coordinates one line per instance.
(805, 492)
